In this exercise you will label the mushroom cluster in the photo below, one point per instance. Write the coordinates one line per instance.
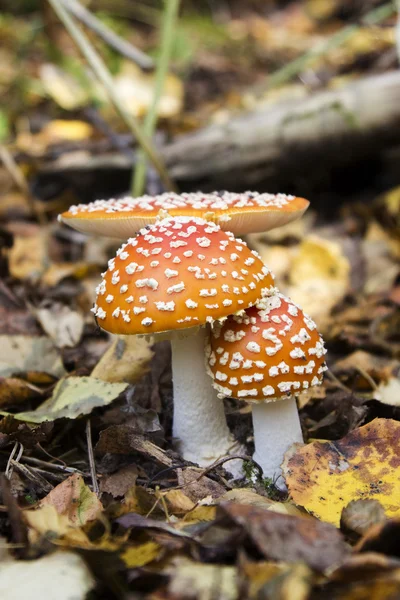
(187, 277)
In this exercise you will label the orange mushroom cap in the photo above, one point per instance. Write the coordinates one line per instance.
(244, 213)
(269, 353)
(176, 274)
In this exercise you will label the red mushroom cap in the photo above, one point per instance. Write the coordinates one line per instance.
(244, 213)
(269, 353)
(176, 274)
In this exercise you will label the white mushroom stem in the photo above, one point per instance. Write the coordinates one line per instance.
(276, 428)
(199, 422)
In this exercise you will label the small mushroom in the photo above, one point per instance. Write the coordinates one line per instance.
(266, 356)
(172, 279)
(243, 213)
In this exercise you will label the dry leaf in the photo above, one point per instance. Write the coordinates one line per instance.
(62, 324)
(325, 477)
(289, 538)
(28, 256)
(73, 397)
(192, 580)
(75, 500)
(126, 360)
(249, 497)
(319, 276)
(136, 90)
(62, 87)
(22, 353)
(140, 555)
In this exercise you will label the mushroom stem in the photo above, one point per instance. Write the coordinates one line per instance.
(276, 428)
(199, 422)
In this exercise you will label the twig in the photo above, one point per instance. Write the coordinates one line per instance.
(281, 76)
(92, 464)
(18, 177)
(104, 76)
(111, 38)
(171, 8)
(11, 462)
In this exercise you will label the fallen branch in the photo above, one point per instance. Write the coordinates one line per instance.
(299, 137)
(331, 127)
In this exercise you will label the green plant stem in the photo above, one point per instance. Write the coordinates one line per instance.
(295, 67)
(171, 8)
(104, 76)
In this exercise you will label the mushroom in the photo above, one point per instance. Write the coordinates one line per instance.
(240, 213)
(172, 279)
(266, 356)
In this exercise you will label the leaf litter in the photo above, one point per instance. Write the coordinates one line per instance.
(117, 511)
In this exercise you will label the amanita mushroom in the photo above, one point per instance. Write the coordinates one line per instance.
(175, 277)
(249, 212)
(266, 356)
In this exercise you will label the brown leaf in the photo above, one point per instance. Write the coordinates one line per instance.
(74, 499)
(288, 538)
(196, 487)
(359, 515)
(117, 484)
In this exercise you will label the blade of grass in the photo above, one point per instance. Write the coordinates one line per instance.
(111, 38)
(170, 15)
(104, 76)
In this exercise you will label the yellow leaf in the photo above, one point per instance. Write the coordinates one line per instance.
(177, 502)
(319, 276)
(138, 556)
(325, 477)
(136, 90)
(74, 499)
(66, 130)
(125, 360)
(246, 496)
(46, 521)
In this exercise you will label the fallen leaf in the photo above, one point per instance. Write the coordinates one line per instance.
(125, 360)
(117, 484)
(136, 90)
(359, 515)
(324, 477)
(20, 353)
(62, 324)
(61, 575)
(177, 502)
(319, 276)
(141, 554)
(197, 488)
(272, 580)
(251, 498)
(193, 580)
(47, 522)
(73, 397)
(28, 256)
(75, 500)
(15, 391)
(289, 538)
(62, 87)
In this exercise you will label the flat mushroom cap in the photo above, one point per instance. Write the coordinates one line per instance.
(176, 274)
(267, 354)
(249, 212)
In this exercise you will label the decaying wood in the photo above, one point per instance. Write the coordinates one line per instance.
(334, 127)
